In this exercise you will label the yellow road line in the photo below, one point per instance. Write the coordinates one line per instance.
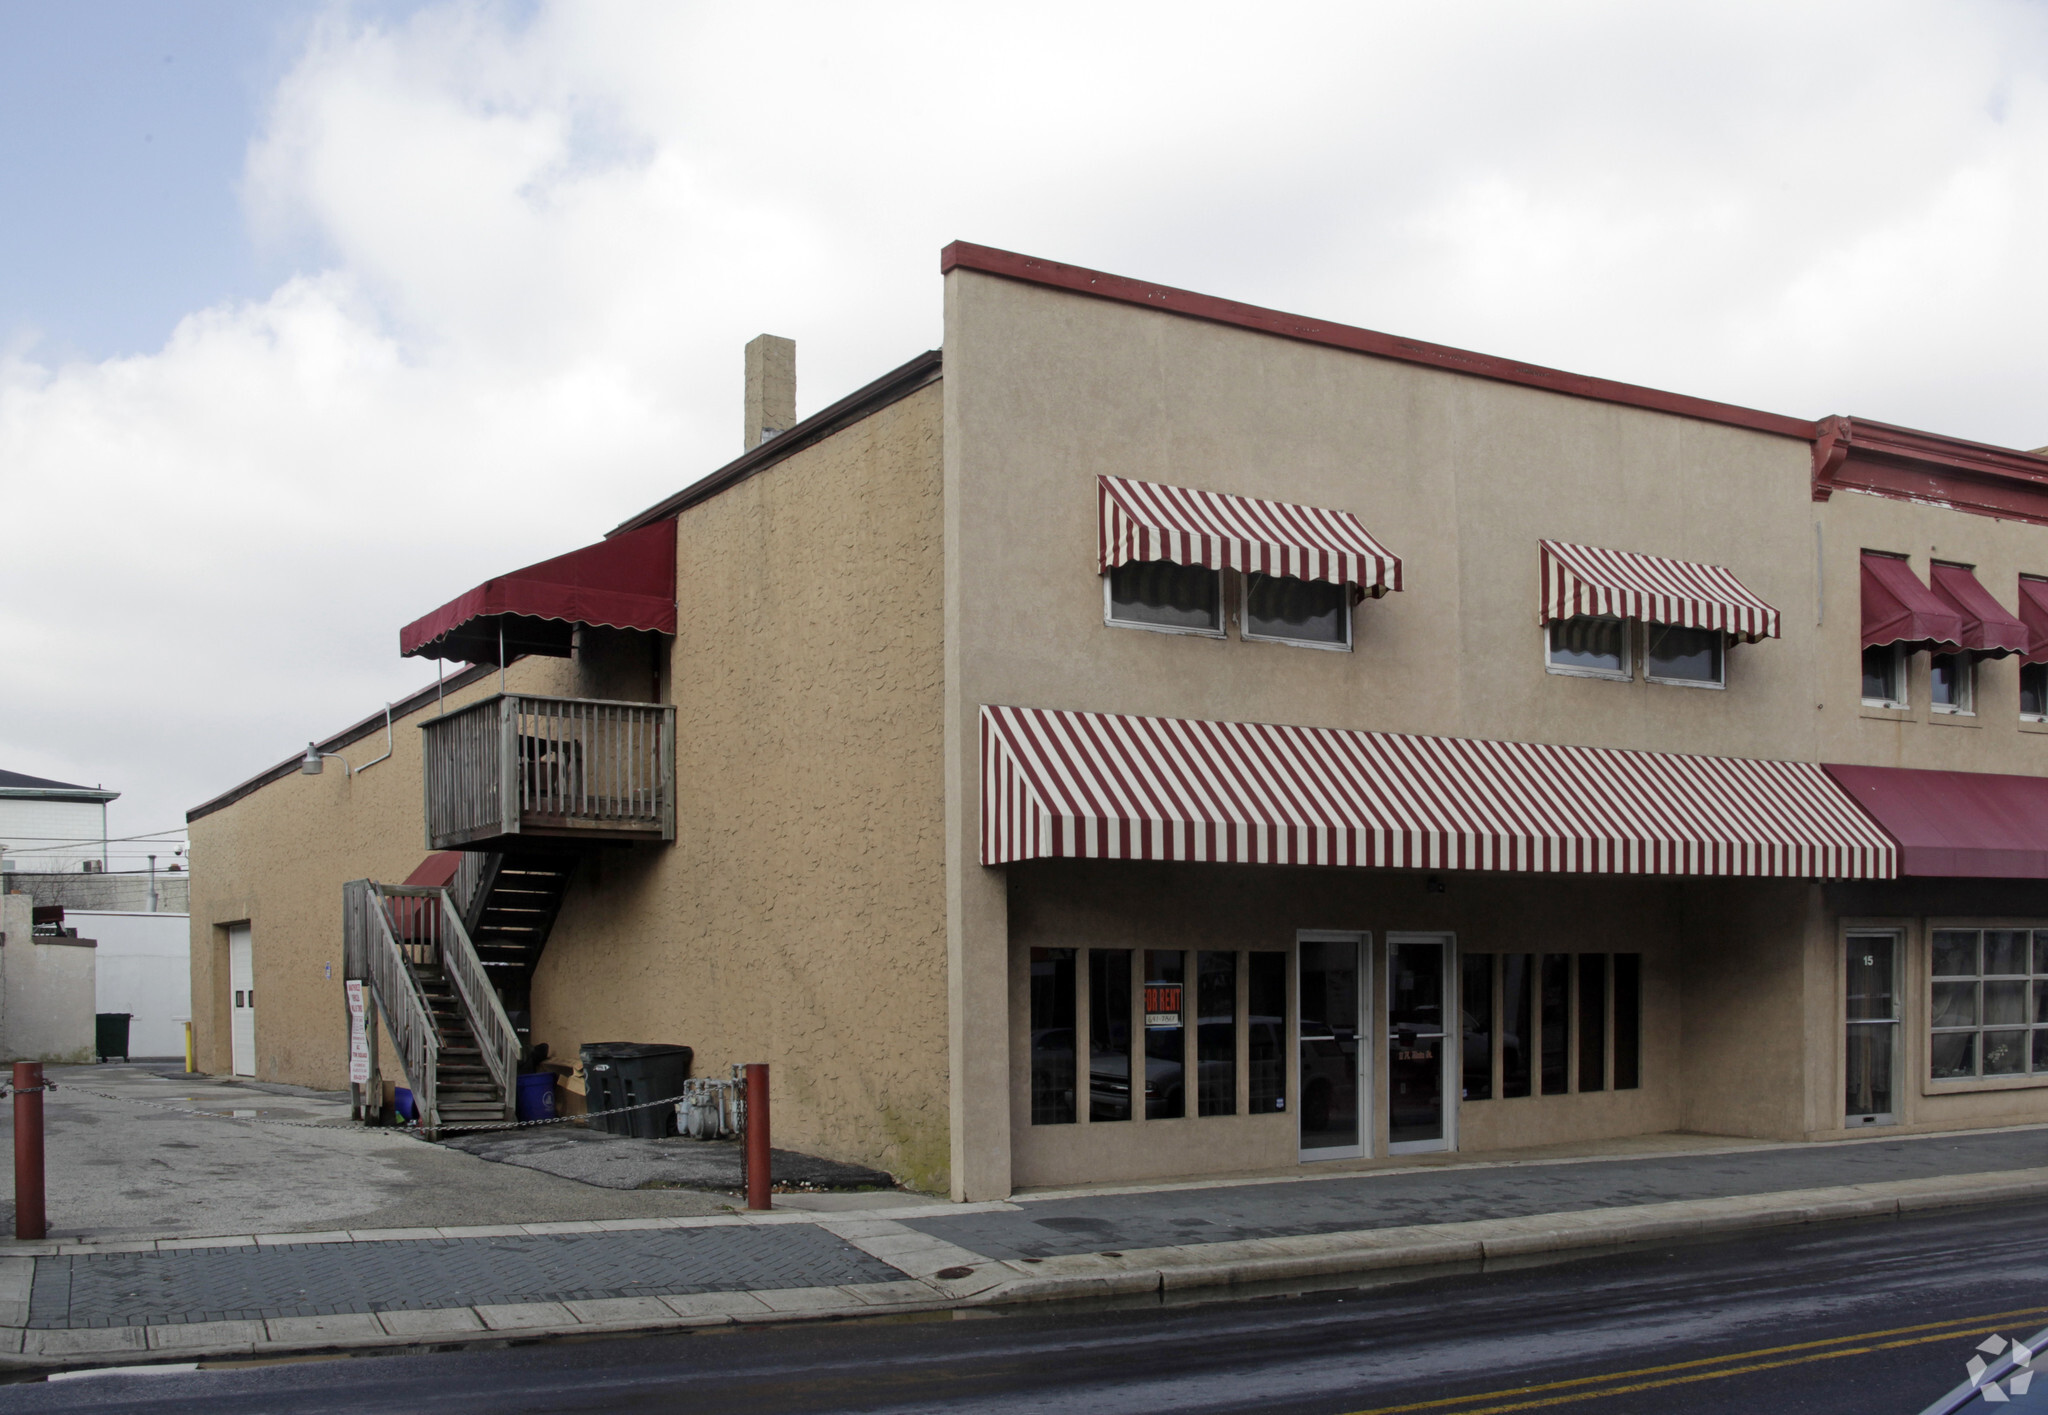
(1954, 1327)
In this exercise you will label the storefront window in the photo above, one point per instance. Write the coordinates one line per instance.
(1557, 1023)
(1518, 1023)
(1628, 1021)
(1216, 1033)
(1988, 1003)
(1592, 1021)
(1475, 988)
(1109, 1034)
(1266, 989)
(1165, 1034)
(1052, 1036)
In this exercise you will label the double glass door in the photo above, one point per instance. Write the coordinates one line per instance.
(1338, 1056)
(1331, 1001)
(1420, 1018)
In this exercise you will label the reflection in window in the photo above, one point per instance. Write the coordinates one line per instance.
(1299, 611)
(1675, 654)
(1052, 1036)
(1266, 988)
(1592, 1021)
(1988, 1003)
(1165, 1034)
(1557, 1023)
(1518, 1023)
(1884, 677)
(1475, 1001)
(1216, 1033)
(1587, 644)
(1109, 1034)
(1157, 594)
(1950, 680)
(2034, 691)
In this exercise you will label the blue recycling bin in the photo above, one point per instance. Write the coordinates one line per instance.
(536, 1096)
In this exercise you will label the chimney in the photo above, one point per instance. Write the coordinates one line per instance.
(771, 387)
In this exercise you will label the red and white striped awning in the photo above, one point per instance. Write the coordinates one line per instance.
(1583, 579)
(1147, 521)
(1100, 786)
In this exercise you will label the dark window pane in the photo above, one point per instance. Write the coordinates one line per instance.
(1687, 655)
(1880, 669)
(1592, 1021)
(1266, 986)
(2041, 1050)
(1586, 642)
(1475, 1000)
(1557, 1023)
(1161, 593)
(1948, 681)
(2005, 1053)
(2005, 1004)
(1869, 1072)
(1109, 1034)
(1052, 1036)
(1216, 1033)
(2041, 1002)
(1952, 1054)
(1955, 1005)
(1955, 953)
(2034, 689)
(1517, 1023)
(2006, 952)
(1283, 608)
(2041, 952)
(1165, 1034)
(1628, 1020)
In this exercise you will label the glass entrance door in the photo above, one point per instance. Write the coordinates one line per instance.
(1418, 1052)
(1330, 993)
(1871, 1027)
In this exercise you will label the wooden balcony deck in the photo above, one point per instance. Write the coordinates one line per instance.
(521, 768)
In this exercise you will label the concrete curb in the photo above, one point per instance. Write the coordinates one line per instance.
(975, 1281)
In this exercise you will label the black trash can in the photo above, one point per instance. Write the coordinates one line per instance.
(110, 1034)
(628, 1073)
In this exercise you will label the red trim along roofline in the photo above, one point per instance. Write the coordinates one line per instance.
(1852, 454)
(964, 255)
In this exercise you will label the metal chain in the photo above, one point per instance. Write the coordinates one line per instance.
(411, 1131)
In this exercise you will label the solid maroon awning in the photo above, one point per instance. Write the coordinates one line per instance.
(1957, 824)
(627, 582)
(1898, 609)
(2034, 614)
(1988, 631)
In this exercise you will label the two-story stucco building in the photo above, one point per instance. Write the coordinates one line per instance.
(1161, 736)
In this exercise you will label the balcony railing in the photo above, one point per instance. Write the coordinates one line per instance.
(516, 766)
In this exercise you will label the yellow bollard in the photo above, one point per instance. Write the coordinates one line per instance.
(189, 1068)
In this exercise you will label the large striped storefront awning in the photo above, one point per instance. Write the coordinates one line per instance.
(1626, 584)
(1105, 786)
(1147, 521)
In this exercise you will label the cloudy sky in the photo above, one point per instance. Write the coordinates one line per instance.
(313, 315)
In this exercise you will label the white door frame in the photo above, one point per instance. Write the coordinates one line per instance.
(241, 1012)
(1453, 1038)
(1362, 942)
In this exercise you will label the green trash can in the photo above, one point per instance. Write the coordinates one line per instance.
(110, 1034)
(628, 1073)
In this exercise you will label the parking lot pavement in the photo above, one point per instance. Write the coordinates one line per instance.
(117, 1169)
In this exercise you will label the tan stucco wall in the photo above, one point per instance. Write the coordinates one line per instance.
(1109, 904)
(46, 989)
(1461, 477)
(798, 919)
(277, 859)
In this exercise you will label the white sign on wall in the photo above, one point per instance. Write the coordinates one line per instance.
(358, 1040)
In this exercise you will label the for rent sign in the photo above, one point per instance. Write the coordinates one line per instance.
(1162, 1004)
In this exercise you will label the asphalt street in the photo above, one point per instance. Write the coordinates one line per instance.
(1861, 1317)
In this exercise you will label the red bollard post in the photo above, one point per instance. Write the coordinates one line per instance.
(29, 1221)
(758, 1177)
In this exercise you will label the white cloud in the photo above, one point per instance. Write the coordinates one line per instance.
(547, 237)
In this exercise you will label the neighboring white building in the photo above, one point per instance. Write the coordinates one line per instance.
(52, 825)
(46, 990)
(145, 970)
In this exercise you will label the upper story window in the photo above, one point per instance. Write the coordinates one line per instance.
(2034, 667)
(1163, 552)
(1952, 683)
(1589, 646)
(1314, 613)
(1673, 653)
(1158, 594)
(1689, 614)
(1884, 676)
